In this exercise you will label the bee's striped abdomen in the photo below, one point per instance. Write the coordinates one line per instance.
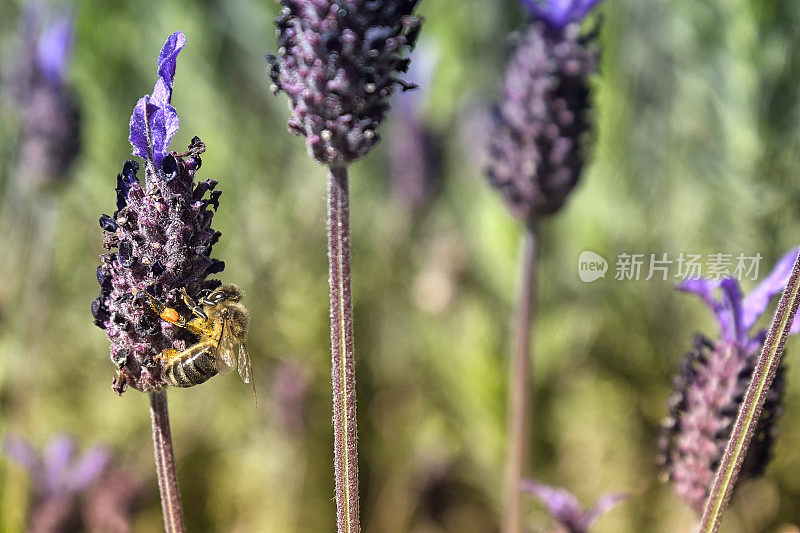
(193, 366)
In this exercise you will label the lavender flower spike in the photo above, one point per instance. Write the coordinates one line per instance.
(535, 160)
(535, 148)
(337, 62)
(159, 238)
(564, 506)
(49, 111)
(712, 382)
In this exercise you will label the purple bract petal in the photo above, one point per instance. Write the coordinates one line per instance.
(732, 297)
(757, 301)
(421, 73)
(602, 506)
(54, 48)
(559, 13)
(19, 451)
(88, 469)
(57, 457)
(167, 60)
(564, 506)
(155, 110)
(164, 124)
(138, 124)
(704, 288)
(561, 503)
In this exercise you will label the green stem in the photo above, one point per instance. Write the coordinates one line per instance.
(750, 410)
(343, 376)
(519, 379)
(165, 463)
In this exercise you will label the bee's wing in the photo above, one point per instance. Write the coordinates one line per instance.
(223, 356)
(246, 369)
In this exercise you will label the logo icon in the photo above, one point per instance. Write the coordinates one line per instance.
(591, 266)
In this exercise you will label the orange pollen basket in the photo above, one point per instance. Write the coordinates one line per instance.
(170, 315)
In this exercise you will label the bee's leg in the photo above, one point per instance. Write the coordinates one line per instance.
(168, 314)
(190, 303)
(155, 304)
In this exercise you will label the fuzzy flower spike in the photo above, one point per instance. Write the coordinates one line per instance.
(535, 156)
(338, 62)
(712, 382)
(159, 241)
(159, 238)
(535, 160)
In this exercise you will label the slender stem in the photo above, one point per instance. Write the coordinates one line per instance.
(165, 463)
(750, 410)
(343, 376)
(519, 378)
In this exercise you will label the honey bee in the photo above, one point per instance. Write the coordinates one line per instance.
(221, 322)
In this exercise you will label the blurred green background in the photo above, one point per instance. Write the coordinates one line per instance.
(696, 150)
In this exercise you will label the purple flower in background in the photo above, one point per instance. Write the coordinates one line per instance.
(35, 82)
(559, 13)
(337, 62)
(159, 238)
(290, 386)
(54, 49)
(68, 489)
(58, 477)
(565, 508)
(711, 385)
(535, 156)
(57, 470)
(415, 149)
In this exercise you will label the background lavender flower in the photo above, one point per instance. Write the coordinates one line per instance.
(712, 382)
(40, 147)
(535, 161)
(415, 149)
(289, 388)
(337, 62)
(535, 147)
(564, 507)
(65, 486)
(35, 82)
(160, 234)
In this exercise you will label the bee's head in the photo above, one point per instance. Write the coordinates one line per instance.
(224, 293)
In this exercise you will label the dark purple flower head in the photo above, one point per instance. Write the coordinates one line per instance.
(337, 62)
(535, 156)
(565, 508)
(35, 80)
(159, 238)
(559, 13)
(711, 385)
